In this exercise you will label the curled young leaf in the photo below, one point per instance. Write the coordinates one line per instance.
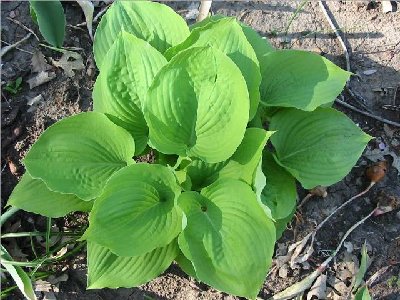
(153, 22)
(197, 106)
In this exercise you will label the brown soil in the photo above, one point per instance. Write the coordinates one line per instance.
(374, 41)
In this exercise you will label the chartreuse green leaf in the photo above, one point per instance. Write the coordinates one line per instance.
(228, 237)
(78, 154)
(125, 76)
(319, 147)
(294, 78)
(32, 195)
(137, 211)
(227, 36)
(105, 269)
(279, 194)
(242, 165)
(261, 46)
(153, 22)
(197, 106)
(51, 20)
(186, 265)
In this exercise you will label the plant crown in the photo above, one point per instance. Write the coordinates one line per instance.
(216, 199)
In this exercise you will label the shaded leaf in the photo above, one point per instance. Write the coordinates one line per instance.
(319, 147)
(51, 20)
(363, 294)
(301, 79)
(227, 36)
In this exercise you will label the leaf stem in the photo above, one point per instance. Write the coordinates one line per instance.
(4, 217)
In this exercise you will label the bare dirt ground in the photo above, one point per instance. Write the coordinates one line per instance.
(373, 40)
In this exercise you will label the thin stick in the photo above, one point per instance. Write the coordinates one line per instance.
(367, 113)
(4, 50)
(204, 9)
(24, 27)
(336, 31)
(20, 49)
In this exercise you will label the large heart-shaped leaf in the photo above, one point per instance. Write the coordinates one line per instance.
(279, 194)
(105, 269)
(242, 165)
(137, 211)
(78, 154)
(227, 35)
(228, 237)
(153, 22)
(294, 78)
(319, 147)
(32, 195)
(197, 106)
(125, 76)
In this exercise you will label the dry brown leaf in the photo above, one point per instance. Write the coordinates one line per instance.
(69, 62)
(40, 78)
(39, 63)
(318, 289)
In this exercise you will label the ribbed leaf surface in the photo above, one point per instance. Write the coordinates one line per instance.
(319, 147)
(78, 154)
(105, 269)
(153, 22)
(228, 237)
(227, 36)
(137, 211)
(198, 106)
(125, 76)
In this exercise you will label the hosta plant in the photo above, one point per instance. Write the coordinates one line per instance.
(219, 188)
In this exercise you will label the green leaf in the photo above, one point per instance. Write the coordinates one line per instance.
(21, 279)
(125, 76)
(78, 154)
(363, 294)
(281, 224)
(261, 46)
(228, 237)
(32, 195)
(294, 78)
(242, 165)
(319, 147)
(363, 267)
(153, 22)
(197, 106)
(279, 194)
(105, 269)
(51, 20)
(137, 211)
(227, 36)
(186, 265)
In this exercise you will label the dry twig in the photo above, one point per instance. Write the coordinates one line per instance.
(4, 50)
(24, 27)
